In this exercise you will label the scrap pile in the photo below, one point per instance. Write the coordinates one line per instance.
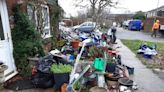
(84, 63)
(147, 51)
(96, 68)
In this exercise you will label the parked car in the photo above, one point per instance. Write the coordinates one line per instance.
(126, 24)
(135, 25)
(85, 27)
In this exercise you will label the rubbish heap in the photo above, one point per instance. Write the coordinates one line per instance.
(86, 62)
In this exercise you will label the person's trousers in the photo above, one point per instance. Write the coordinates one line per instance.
(154, 33)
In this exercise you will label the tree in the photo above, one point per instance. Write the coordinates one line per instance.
(97, 6)
(139, 15)
(26, 41)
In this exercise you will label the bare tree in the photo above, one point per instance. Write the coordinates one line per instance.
(97, 6)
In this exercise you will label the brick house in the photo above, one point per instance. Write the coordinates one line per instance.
(6, 24)
(151, 16)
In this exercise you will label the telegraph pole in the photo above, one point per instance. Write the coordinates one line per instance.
(157, 10)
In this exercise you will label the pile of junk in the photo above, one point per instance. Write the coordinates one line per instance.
(147, 51)
(84, 64)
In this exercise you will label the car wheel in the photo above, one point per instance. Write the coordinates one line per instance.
(76, 30)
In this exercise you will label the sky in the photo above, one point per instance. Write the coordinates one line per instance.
(124, 6)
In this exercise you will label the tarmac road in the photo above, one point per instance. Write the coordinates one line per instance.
(137, 35)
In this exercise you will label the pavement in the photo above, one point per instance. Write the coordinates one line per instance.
(144, 77)
(137, 35)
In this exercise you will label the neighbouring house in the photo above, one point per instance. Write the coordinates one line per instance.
(151, 16)
(6, 24)
(155, 12)
(72, 22)
(119, 18)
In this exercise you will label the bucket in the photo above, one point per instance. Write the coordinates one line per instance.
(60, 79)
(75, 44)
(130, 69)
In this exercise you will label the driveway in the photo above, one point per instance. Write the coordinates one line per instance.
(137, 35)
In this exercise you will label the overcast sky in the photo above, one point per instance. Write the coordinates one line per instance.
(128, 5)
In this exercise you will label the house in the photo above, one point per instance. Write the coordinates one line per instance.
(158, 12)
(6, 24)
(6, 48)
(151, 16)
(119, 18)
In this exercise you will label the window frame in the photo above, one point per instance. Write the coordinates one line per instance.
(47, 26)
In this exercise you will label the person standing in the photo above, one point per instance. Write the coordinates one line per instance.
(155, 28)
(113, 30)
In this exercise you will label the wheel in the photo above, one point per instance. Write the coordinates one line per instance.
(76, 30)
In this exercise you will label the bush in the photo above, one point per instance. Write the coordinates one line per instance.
(61, 68)
(26, 41)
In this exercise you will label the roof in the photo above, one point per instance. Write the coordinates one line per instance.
(156, 8)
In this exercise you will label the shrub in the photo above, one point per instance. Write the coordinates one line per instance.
(61, 68)
(26, 41)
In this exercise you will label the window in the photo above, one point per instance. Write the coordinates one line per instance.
(1, 30)
(90, 24)
(45, 11)
(84, 24)
(30, 11)
(45, 17)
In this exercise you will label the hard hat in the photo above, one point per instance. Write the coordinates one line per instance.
(157, 21)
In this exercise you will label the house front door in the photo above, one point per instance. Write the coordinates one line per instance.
(6, 48)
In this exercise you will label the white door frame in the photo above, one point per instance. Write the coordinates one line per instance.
(11, 71)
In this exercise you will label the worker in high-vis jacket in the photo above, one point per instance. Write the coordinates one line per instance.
(155, 28)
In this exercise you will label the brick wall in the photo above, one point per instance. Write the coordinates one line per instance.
(148, 23)
(12, 3)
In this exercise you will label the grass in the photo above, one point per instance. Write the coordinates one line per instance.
(133, 45)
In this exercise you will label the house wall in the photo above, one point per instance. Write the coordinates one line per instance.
(154, 12)
(10, 5)
(149, 23)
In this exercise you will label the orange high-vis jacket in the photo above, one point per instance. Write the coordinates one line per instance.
(156, 26)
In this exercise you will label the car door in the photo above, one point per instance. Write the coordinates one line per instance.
(83, 27)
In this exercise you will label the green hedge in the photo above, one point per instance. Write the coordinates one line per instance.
(26, 41)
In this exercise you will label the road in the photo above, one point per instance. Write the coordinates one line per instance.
(136, 35)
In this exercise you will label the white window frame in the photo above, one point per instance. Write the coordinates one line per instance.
(47, 27)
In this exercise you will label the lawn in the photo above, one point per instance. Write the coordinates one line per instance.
(156, 62)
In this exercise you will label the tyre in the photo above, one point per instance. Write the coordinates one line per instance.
(76, 30)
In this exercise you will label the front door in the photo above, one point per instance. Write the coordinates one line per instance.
(6, 48)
